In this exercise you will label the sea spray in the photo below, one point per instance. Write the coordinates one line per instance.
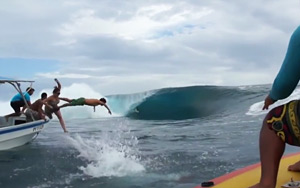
(108, 154)
(127, 103)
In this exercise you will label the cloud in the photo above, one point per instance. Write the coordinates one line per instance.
(118, 46)
(58, 75)
(145, 23)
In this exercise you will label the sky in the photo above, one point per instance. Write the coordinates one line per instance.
(117, 46)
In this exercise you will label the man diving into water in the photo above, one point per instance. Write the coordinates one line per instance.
(82, 101)
(281, 125)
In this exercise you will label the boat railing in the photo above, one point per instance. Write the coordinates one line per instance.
(16, 84)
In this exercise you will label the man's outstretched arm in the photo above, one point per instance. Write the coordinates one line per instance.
(58, 83)
(107, 109)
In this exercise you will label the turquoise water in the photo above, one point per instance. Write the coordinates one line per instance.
(175, 137)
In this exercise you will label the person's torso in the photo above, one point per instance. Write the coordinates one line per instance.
(53, 101)
(93, 102)
(18, 97)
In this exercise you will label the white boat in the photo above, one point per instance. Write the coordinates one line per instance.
(16, 131)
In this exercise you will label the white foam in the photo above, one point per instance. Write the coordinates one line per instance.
(122, 104)
(107, 156)
(256, 108)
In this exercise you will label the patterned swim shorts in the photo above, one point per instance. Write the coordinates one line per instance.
(284, 120)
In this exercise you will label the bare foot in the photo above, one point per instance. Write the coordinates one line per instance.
(295, 167)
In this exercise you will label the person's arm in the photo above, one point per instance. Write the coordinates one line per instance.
(27, 98)
(101, 103)
(41, 111)
(44, 102)
(288, 76)
(107, 108)
(58, 83)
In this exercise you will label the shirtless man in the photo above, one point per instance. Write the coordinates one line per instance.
(53, 101)
(82, 101)
(36, 109)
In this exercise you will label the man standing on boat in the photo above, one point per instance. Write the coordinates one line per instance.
(18, 101)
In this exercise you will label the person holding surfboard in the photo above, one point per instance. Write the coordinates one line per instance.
(282, 124)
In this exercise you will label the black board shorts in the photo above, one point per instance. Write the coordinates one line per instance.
(284, 120)
(16, 105)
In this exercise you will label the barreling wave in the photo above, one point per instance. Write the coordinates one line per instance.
(168, 103)
(181, 103)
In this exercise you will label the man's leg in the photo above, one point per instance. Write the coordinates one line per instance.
(66, 99)
(271, 150)
(61, 120)
(13, 114)
(64, 105)
(17, 108)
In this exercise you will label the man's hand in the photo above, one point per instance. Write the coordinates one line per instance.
(268, 102)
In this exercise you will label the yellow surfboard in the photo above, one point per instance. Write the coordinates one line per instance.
(250, 175)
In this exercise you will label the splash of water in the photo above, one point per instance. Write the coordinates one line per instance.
(107, 156)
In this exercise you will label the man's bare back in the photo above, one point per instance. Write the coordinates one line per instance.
(38, 104)
(93, 102)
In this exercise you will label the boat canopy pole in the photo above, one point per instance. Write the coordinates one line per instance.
(18, 88)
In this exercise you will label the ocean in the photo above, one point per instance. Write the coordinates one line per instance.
(165, 138)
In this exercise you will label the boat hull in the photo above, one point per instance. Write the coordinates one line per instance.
(18, 135)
